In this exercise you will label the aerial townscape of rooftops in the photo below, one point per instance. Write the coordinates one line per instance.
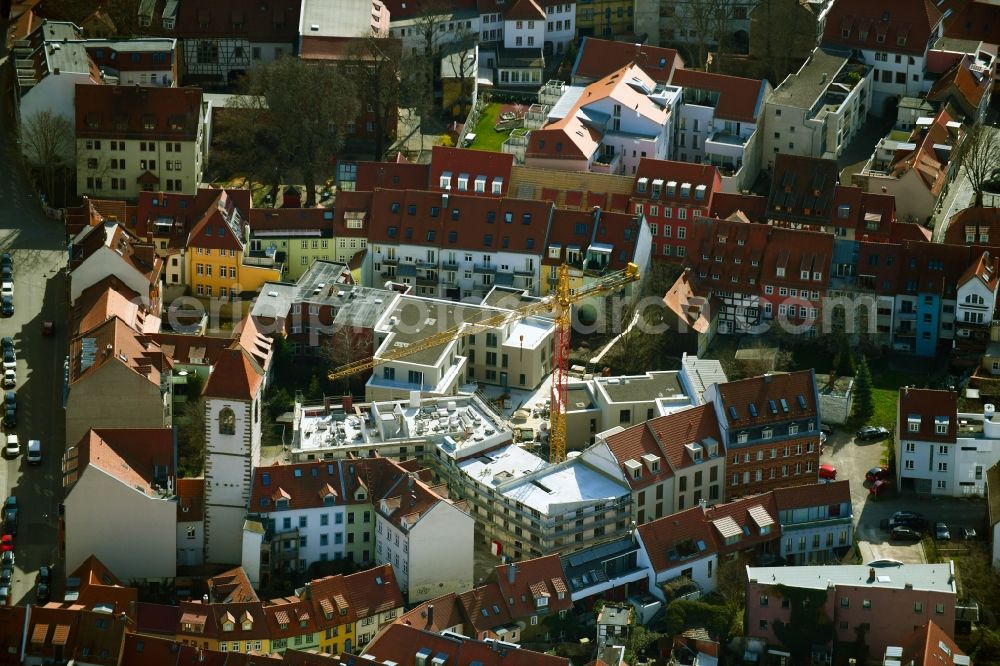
(500, 332)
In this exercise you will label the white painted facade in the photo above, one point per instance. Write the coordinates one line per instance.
(321, 531)
(701, 570)
(560, 26)
(190, 542)
(229, 464)
(103, 263)
(897, 76)
(411, 31)
(976, 303)
(427, 565)
(523, 34)
(55, 92)
(946, 469)
(102, 510)
(732, 146)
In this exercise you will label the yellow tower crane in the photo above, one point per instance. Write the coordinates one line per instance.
(558, 303)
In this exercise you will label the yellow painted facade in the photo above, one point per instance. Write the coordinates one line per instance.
(222, 273)
(604, 18)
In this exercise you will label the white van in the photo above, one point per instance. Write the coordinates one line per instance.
(13, 448)
(34, 452)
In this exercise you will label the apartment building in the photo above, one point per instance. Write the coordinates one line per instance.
(940, 450)
(597, 57)
(978, 289)
(893, 38)
(717, 124)
(605, 18)
(143, 138)
(220, 263)
(514, 353)
(670, 462)
(816, 111)
(690, 24)
(151, 61)
(450, 245)
(671, 196)
(586, 129)
(408, 23)
(526, 507)
(853, 598)
(122, 479)
(759, 273)
(410, 519)
(770, 429)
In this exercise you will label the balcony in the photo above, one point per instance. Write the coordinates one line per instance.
(536, 116)
(449, 266)
(390, 261)
(604, 163)
(906, 315)
(524, 273)
(484, 269)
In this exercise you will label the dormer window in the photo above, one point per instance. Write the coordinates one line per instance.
(227, 626)
(817, 276)
(282, 504)
(804, 275)
(766, 433)
(779, 271)
(741, 438)
(446, 180)
(913, 423)
(542, 601)
(941, 424)
(247, 625)
(793, 429)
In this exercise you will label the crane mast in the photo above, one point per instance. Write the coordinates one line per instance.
(559, 303)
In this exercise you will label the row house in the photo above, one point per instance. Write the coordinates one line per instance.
(806, 524)
(973, 226)
(852, 599)
(129, 138)
(671, 196)
(220, 263)
(818, 110)
(463, 171)
(151, 61)
(455, 246)
(978, 289)
(372, 598)
(717, 124)
(586, 129)
(516, 39)
(514, 353)
(940, 450)
(108, 299)
(671, 462)
(966, 84)
(916, 171)
(596, 57)
(770, 429)
(893, 38)
(672, 23)
(758, 273)
(122, 478)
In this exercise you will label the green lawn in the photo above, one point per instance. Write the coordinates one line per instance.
(488, 138)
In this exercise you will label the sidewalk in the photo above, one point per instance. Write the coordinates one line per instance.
(958, 198)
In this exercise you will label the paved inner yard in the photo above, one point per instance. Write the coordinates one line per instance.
(852, 459)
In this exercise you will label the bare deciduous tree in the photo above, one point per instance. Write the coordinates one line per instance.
(378, 65)
(980, 157)
(49, 145)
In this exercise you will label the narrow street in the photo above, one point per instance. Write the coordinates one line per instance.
(36, 243)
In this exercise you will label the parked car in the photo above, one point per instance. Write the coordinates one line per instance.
(915, 523)
(13, 446)
(48, 328)
(9, 359)
(941, 532)
(905, 534)
(7, 343)
(4, 596)
(7, 288)
(7, 305)
(6, 575)
(34, 456)
(7, 559)
(43, 585)
(907, 515)
(10, 516)
(9, 378)
(7, 542)
(828, 472)
(876, 474)
(7, 261)
(879, 487)
(866, 433)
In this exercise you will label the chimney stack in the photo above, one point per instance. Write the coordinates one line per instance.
(430, 615)
(871, 574)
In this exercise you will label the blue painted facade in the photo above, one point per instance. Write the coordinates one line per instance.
(928, 324)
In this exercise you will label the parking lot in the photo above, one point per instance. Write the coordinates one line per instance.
(853, 459)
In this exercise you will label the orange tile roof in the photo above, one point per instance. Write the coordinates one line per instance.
(111, 298)
(447, 613)
(471, 163)
(526, 10)
(231, 586)
(930, 645)
(114, 341)
(374, 591)
(149, 112)
(190, 500)
(100, 587)
(930, 165)
(217, 227)
(740, 98)
(630, 445)
(399, 643)
(675, 431)
(962, 80)
(986, 269)
(687, 305)
(675, 539)
(99, 637)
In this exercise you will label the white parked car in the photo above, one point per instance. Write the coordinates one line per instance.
(9, 378)
(13, 447)
(7, 288)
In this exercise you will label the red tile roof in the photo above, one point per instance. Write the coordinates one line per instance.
(217, 228)
(929, 645)
(673, 540)
(471, 164)
(191, 349)
(680, 173)
(131, 455)
(273, 22)
(986, 269)
(399, 643)
(231, 586)
(523, 582)
(390, 175)
(235, 376)
(134, 112)
(630, 445)
(599, 57)
(974, 221)
(100, 638)
(802, 189)
(487, 598)
(761, 391)
(744, 512)
(930, 163)
(962, 85)
(675, 431)
(740, 98)
(814, 494)
(406, 9)
(374, 591)
(585, 228)
(753, 206)
(100, 587)
(50, 627)
(156, 619)
(116, 342)
(288, 619)
(107, 299)
(687, 306)
(527, 10)
(180, 211)
(896, 26)
(927, 405)
(213, 618)
(307, 485)
(973, 19)
(139, 255)
(447, 613)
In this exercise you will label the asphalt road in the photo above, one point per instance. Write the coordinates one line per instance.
(852, 459)
(38, 249)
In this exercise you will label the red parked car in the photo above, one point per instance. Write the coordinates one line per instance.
(828, 472)
(6, 543)
(877, 474)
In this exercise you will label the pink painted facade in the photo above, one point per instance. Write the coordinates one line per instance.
(889, 606)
